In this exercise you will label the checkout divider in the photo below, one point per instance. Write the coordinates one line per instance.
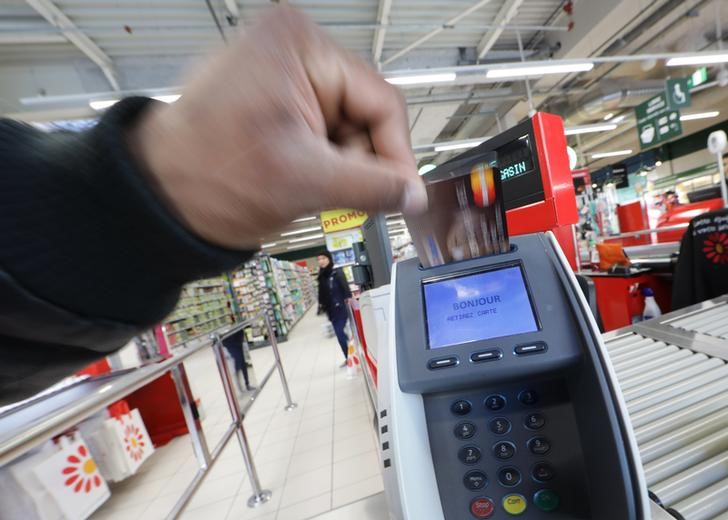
(30, 424)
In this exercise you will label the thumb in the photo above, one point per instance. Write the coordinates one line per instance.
(370, 183)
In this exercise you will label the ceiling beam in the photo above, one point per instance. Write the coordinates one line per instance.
(48, 10)
(505, 15)
(382, 21)
(452, 21)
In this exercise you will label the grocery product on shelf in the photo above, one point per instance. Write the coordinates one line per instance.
(203, 307)
(267, 286)
(295, 289)
(252, 298)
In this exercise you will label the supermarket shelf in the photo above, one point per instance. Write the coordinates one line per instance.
(198, 336)
(198, 313)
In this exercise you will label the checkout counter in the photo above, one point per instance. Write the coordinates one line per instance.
(673, 375)
(540, 416)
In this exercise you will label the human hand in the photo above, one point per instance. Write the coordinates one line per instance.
(277, 125)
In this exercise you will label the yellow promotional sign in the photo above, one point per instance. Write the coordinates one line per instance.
(341, 219)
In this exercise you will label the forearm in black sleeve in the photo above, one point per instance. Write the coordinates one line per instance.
(89, 256)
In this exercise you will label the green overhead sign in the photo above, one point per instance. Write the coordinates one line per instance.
(698, 77)
(657, 121)
(678, 92)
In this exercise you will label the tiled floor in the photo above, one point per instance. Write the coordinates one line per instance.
(315, 459)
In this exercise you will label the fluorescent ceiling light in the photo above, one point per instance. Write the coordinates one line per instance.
(602, 155)
(458, 145)
(588, 129)
(618, 119)
(699, 115)
(302, 230)
(426, 168)
(268, 245)
(302, 246)
(101, 104)
(417, 79)
(309, 237)
(305, 219)
(609, 116)
(538, 69)
(698, 59)
(170, 98)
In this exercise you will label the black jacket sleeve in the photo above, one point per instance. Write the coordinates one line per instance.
(89, 256)
(702, 269)
(341, 279)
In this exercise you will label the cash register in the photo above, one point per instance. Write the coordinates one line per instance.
(496, 398)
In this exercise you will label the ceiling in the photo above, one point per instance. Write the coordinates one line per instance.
(56, 55)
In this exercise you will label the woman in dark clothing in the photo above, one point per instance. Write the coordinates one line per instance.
(333, 290)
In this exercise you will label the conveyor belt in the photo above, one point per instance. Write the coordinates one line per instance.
(674, 376)
(712, 322)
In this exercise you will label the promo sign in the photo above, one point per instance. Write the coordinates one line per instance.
(341, 219)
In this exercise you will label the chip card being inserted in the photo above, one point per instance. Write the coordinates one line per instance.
(466, 215)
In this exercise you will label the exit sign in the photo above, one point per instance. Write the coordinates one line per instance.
(698, 77)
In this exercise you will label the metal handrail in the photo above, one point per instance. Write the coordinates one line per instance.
(15, 443)
(675, 227)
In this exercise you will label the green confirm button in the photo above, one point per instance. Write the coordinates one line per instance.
(546, 500)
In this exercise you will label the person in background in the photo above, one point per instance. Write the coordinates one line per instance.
(333, 296)
(234, 345)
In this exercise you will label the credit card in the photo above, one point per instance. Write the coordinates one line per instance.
(466, 216)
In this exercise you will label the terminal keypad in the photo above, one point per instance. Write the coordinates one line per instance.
(508, 451)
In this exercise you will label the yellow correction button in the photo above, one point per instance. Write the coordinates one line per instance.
(514, 504)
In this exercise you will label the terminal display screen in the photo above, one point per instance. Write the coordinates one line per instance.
(479, 306)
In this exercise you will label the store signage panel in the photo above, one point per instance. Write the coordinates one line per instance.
(656, 121)
(678, 93)
(619, 176)
(343, 239)
(341, 219)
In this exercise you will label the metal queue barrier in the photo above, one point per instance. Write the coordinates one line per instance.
(32, 423)
(673, 372)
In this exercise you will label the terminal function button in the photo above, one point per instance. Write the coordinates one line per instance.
(486, 355)
(500, 426)
(469, 455)
(528, 397)
(514, 504)
(535, 421)
(482, 508)
(461, 407)
(475, 480)
(509, 477)
(504, 450)
(464, 430)
(434, 364)
(542, 472)
(495, 402)
(539, 446)
(546, 500)
(531, 348)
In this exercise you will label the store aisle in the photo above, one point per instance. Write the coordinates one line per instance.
(315, 459)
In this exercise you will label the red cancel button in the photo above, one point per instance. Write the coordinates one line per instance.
(482, 507)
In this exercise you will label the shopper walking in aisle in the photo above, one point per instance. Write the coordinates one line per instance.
(333, 296)
(100, 229)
